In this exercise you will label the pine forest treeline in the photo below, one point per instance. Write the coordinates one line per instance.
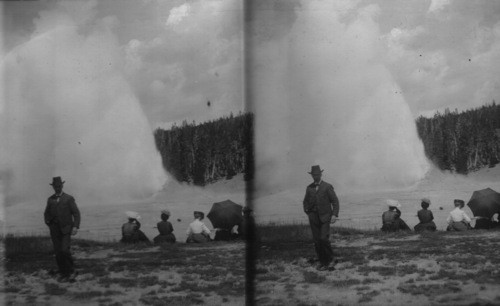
(462, 142)
(207, 152)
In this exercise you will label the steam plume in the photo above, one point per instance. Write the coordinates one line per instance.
(67, 111)
(322, 95)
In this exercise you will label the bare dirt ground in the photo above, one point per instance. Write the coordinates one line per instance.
(374, 268)
(384, 269)
(113, 274)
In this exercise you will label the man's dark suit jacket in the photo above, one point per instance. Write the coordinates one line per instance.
(324, 201)
(64, 214)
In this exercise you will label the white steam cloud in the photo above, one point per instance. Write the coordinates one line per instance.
(322, 95)
(67, 111)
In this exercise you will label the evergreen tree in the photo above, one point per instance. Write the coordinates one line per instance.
(462, 142)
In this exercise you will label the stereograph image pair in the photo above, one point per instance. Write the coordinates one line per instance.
(221, 152)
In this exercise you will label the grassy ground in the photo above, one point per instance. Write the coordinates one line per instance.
(114, 274)
(376, 268)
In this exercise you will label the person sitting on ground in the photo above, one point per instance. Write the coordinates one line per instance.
(483, 223)
(223, 234)
(131, 232)
(197, 231)
(458, 220)
(486, 223)
(165, 228)
(247, 226)
(426, 217)
(494, 221)
(391, 219)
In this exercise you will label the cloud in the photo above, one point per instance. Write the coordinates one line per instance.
(194, 48)
(323, 95)
(177, 14)
(67, 112)
(447, 60)
(198, 56)
(438, 5)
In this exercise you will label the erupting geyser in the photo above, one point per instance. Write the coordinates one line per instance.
(68, 111)
(322, 95)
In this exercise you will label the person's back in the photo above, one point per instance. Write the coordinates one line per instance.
(197, 230)
(425, 216)
(131, 232)
(128, 229)
(391, 221)
(389, 216)
(458, 220)
(165, 227)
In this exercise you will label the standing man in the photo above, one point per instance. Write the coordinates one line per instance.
(63, 218)
(322, 207)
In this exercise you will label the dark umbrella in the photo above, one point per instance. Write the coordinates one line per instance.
(485, 203)
(225, 214)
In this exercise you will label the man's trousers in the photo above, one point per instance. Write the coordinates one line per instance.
(61, 243)
(321, 236)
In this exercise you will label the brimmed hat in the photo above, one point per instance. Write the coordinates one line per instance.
(426, 200)
(315, 170)
(199, 213)
(57, 181)
(393, 203)
(165, 212)
(461, 202)
(132, 215)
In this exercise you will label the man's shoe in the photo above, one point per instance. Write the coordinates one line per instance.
(322, 268)
(312, 261)
(72, 276)
(63, 278)
(53, 272)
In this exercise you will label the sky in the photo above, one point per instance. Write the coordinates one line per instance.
(323, 94)
(177, 55)
(85, 83)
(353, 74)
(443, 54)
(180, 54)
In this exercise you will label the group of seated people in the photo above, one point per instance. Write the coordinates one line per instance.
(197, 231)
(457, 220)
(131, 230)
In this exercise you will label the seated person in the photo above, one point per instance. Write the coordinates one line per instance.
(426, 217)
(391, 219)
(131, 232)
(247, 227)
(483, 223)
(458, 220)
(227, 234)
(494, 221)
(486, 223)
(165, 228)
(223, 234)
(197, 231)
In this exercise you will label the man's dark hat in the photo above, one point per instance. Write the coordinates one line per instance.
(57, 181)
(459, 201)
(315, 170)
